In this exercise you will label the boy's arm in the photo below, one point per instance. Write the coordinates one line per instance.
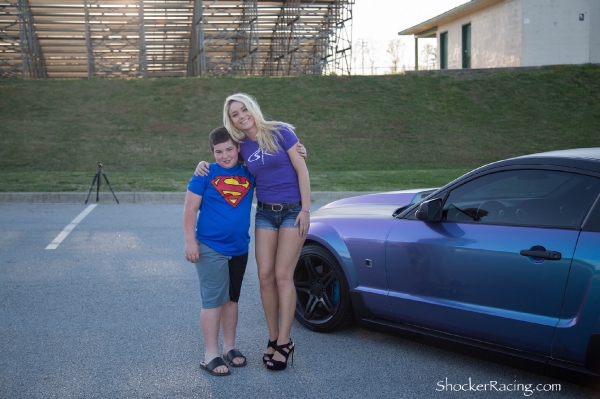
(203, 166)
(301, 150)
(190, 216)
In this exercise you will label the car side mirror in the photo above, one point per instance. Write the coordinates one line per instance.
(430, 211)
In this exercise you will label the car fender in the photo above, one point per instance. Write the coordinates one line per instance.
(326, 236)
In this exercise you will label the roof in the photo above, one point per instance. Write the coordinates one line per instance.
(427, 28)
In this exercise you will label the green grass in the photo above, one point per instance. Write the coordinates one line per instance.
(363, 133)
(366, 180)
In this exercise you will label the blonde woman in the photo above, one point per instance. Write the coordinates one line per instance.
(282, 214)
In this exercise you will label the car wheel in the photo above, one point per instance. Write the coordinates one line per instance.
(322, 293)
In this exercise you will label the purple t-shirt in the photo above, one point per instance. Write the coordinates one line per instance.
(276, 178)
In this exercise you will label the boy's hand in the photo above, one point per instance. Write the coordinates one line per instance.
(301, 150)
(303, 219)
(192, 252)
(202, 169)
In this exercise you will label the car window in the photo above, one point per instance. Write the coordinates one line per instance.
(524, 198)
(593, 220)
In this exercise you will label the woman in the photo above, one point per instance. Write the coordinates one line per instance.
(282, 214)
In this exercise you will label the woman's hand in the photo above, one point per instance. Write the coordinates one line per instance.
(301, 150)
(202, 169)
(303, 219)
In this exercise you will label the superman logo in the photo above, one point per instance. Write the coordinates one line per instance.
(232, 188)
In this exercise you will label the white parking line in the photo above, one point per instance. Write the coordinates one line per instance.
(63, 234)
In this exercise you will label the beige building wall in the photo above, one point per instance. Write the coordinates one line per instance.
(553, 33)
(594, 31)
(513, 33)
(495, 36)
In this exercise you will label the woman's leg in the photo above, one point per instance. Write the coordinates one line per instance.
(289, 245)
(266, 250)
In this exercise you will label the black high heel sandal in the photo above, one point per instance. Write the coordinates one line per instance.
(268, 356)
(277, 365)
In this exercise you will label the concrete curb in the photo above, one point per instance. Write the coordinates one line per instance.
(322, 197)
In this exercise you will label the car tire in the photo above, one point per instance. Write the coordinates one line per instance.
(322, 292)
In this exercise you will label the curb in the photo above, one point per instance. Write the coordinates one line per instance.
(140, 197)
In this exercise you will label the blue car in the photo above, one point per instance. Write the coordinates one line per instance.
(504, 261)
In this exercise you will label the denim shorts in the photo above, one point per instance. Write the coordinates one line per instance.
(274, 220)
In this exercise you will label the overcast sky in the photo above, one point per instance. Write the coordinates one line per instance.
(378, 22)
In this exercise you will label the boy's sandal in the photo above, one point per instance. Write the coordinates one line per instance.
(212, 365)
(232, 354)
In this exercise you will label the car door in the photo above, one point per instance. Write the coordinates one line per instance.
(477, 273)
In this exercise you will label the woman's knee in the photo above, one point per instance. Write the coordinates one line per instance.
(267, 280)
(284, 278)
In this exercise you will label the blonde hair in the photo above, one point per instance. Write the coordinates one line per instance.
(268, 131)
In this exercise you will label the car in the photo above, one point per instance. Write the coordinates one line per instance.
(504, 261)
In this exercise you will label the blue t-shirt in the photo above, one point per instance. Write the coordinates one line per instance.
(276, 178)
(225, 209)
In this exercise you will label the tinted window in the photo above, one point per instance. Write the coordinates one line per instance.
(593, 220)
(524, 198)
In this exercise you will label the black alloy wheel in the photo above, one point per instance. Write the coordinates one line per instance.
(322, 293)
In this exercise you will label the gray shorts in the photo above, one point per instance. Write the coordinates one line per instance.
(213, 272)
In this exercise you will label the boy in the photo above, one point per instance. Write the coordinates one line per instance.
(217, 242)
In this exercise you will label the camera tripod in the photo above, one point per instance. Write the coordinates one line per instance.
(97, 179)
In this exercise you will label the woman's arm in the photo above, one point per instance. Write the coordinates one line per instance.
(304, 182)
(203, 166)
(190, 215)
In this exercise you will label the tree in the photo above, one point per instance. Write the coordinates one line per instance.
(372, 55)
(429, 53)
(363, 49)
(396, 51)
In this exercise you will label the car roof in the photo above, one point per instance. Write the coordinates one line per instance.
(580, 158)
(584, 153)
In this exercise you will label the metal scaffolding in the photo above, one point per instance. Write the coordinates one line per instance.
(151, 38)
(20, 51)
(114, 48)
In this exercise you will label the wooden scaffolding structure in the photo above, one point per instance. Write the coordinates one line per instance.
(153, 38)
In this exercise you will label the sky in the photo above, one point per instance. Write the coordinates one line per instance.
(376, 22)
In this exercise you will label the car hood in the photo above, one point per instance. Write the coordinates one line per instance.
(357, 210)
(371, 205)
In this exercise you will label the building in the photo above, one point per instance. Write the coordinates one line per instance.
(514, 33)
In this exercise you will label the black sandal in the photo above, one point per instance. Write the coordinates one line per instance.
(277, 365)
(268, 356)
(212, 365)
(232, 354)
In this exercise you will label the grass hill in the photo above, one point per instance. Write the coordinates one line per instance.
(362, 133)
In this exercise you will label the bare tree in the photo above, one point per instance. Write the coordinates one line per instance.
(372, 55)
(396, 51)
(363, 49)
(429, 53)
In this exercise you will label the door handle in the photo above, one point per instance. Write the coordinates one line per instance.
(550, 255)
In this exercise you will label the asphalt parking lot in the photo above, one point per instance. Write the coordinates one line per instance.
(112, 312)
